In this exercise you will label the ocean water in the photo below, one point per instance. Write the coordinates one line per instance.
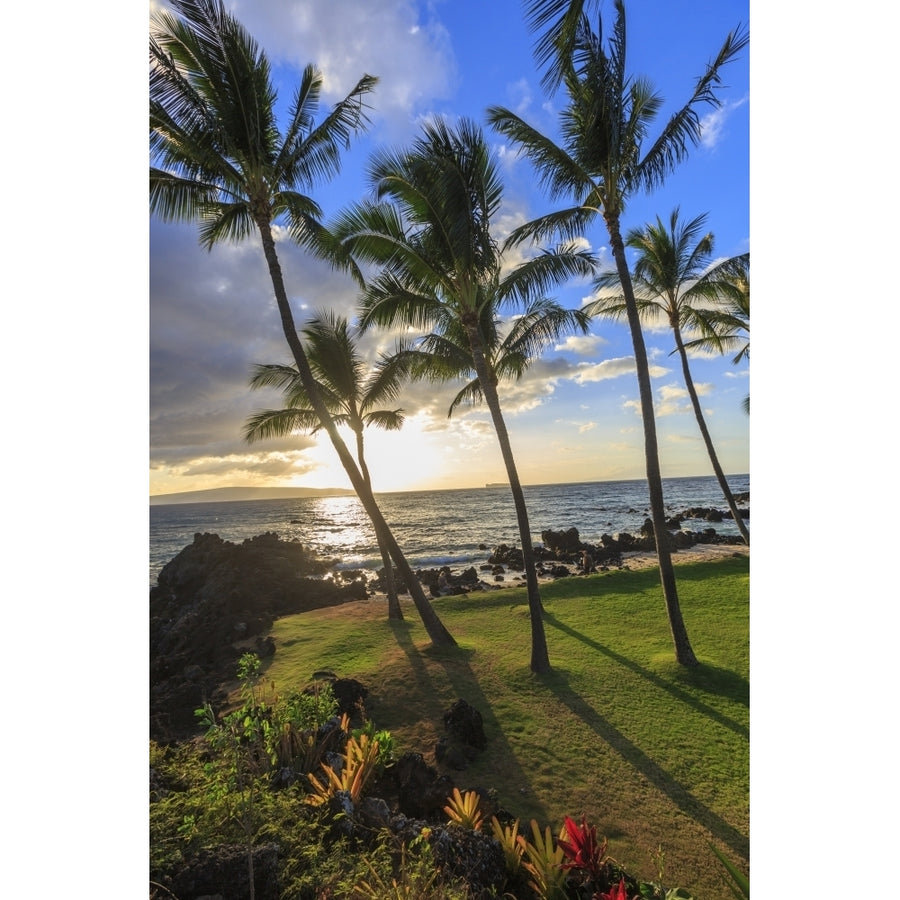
(435, 528)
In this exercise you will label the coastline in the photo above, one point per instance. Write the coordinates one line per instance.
(636, 559)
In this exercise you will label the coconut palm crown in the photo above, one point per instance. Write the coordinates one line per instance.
(673, 279)
(353, 391)
(441, 269)
(220, 159)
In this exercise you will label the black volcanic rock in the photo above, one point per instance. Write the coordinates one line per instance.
(216, 600)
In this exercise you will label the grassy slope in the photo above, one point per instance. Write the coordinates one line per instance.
(655, 755)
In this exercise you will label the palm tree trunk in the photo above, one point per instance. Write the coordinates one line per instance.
(439, 635)
(540, 660)
(684, 653)
(695, 400)
(394, 611)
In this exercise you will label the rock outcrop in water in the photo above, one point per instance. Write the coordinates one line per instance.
(216, 600)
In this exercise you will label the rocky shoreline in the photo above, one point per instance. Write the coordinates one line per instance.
(216, 600)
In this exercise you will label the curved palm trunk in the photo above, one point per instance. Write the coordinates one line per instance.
(394, 611)
(433, 625)
(540, 660)
(684, 653)
(695, 401)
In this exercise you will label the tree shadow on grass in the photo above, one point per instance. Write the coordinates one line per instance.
(455, 663)
(659, 777)
(711, 679)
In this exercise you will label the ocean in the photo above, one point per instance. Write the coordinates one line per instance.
(435, 528)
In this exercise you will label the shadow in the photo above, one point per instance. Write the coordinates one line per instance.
(455, 663)
(711, 679)
(700, 571)
(659, 777)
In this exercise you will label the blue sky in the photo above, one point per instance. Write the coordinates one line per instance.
(575, 415)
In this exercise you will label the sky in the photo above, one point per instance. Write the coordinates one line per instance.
(575, 415)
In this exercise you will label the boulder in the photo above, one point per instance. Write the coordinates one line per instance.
(215, 601)
(566, 541)
(463, 723)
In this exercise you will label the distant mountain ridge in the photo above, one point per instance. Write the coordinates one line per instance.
(227, 495)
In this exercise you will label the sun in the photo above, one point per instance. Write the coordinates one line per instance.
(414, 458)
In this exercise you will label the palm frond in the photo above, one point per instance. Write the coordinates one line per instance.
(537, 275)
(558, 173)
(568, 224)
(386, 419)
(276, 423)
(683, 131)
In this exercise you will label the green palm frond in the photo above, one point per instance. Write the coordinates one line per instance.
(217, 155)
(349, 387)
(559, 173)
(682, 131)
(539, 274)
(274, 423)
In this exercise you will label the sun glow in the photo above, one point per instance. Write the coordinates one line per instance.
(411, 459)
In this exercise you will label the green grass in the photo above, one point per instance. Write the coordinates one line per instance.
(656, 755)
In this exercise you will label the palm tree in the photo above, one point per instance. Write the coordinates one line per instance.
(725, 326)
(353, 393)
(600, 164)
(508, 352)
(672, 279)
(221, 160)
(429, 229)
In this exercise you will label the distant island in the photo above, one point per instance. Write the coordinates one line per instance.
(497, 484)
(227, 495)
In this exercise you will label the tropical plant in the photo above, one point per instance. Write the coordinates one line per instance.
(582, 849)
(726, 326)
(513, 849)
(240, 739)
(740, 883)
(220, 159)
(616, 892)
(673, 279)
(600, 164)
(543, 858)
(353, 393)
(509, 347)
(465, 809)
(440, 267)
(360, 759)
(414, 876)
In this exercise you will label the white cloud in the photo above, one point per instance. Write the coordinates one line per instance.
(412, 56)
(712, 124)
(582, 344)
(612, 368)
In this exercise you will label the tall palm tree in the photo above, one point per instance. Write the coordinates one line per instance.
(725, 325)
(429, 229)
(601, 163)
(353, 392)
(221, 160)
(672, 279)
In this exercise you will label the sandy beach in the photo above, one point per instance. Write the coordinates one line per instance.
(697, 553)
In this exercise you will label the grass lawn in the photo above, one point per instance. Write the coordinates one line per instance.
(656, 756)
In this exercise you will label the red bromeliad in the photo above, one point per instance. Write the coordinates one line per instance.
(615, 893)
(581, 848)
